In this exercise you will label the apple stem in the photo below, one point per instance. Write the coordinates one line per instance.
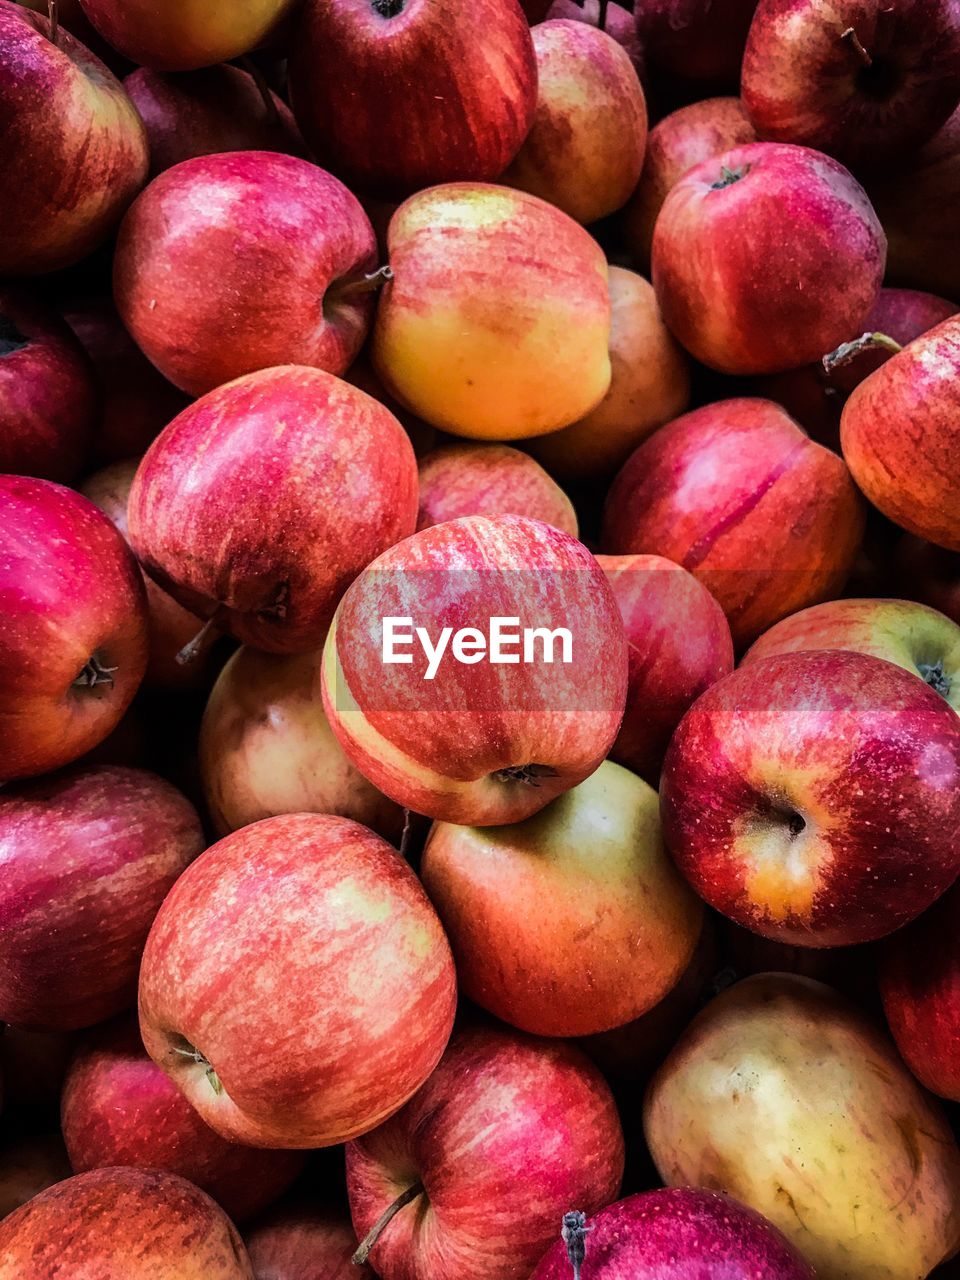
(848, 351)
(369, 283)
(602, 16)
(192, 648)
(373, 1235)
(854, 41)
(94, 673)
(259, 79)
(53, 13)
(405, 837)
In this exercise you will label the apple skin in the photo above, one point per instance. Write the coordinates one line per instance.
(72, 594)
(602, 964)
(803, 82)
(361, 73)
(507, 1123)
(509, 297)
(619, 24)
(266, 749)
(49, 399)
(320, 927)
(200, 113)
(928, 574)
(232, 263)
(780, 1075)
(89, 856)
(489, 480)
(585, 148)
(71, 122)
(767, 520)
(697, 42)
(679, 644)
(781, 784)
(260, 529)
(766, 257)
(304, 1244)
(119, 1108)
(122, 1224)
(478, 745)
(27, 1167)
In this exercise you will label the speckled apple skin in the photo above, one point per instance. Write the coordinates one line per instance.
(489, 480)
(508, 1125)
(865, 754)
(304, 1244)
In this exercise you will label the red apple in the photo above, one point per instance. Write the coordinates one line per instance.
(489, 480)
(29, 1166)
(232, 263)
(361, 374)
(89, 857)
(73, 150)
(585, 149)
(618, 22)
(48, 392)
(507, 1125)
(766, 257)
(735, 492)
(813, 797)
(397, 95)
(695, 41)
(297, 986)
(866, 83)
(304, 1244)
(132, 1223)
(260, 503)
(679, 644)
(493, 729)
(73, 645)
(929, 574)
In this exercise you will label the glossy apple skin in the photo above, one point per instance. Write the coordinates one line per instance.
(771, 269)
(619, 24)
(802, 82)
(304, 1244)
(897, 436)
(736, 493)
(780, 1075)
(200, 113)
(929, 574)
(70, 121)
(266, 749)
(585, 148)
(509, 297)
(620, 932)
(446, 748)
(489, 480)
(49, 400)
(119, 1108)
(695, 41)
(29, 1166)
(527, 1125)
(122, 1224)
(354, 992)
(679, 644)
(861, 753)
(88, 857)
(71, 591)
(232, 263)
(263, 529)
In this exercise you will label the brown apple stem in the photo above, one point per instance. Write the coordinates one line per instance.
(53, 13)
(405, 837)
(847, 352)
(854, 41)
(366, 284)
(373, 1235)
(602, 16)
(94, 673)
(193, 647)
(259, 79)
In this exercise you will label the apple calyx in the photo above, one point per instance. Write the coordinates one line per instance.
(853, 40)
(848, 351)
(94, 673)
(528, 774)
(387, 8)
(11, 339)
(373, 1235)
(729, 176)
(196, 1056)
(573, 1233)
(935, 676)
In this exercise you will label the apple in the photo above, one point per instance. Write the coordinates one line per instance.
(505, 294)
(535, 10)
(260, 503)
(297, 986)
(929, 574)
(618, 22)
(784, 1095)
(697, 42)
(89, 857)
(73, 646)
(897, 436)
(682, 139)
(27, 1167)
(458, 741)
(812, 797)
(361, 374)
(649, 385)
(48, 392)
(679, 644)
(266, 749)
(489, 480)
(766, 519)
(507, 1125)
(867, 84)
(232, 263)
(766, 257)
(397, 95)
(683, 1233)
(304, 1244)
(585, 148)
(622, 925)
(73, 150)
(140, 1224)
(198, 113)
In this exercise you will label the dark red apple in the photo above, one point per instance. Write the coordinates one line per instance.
(929, 574)
(695, 41)
(27, 1167)
(304, 1244)
(618, 22)
(489, 480)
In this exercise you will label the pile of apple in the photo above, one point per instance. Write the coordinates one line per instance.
(479, 639)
